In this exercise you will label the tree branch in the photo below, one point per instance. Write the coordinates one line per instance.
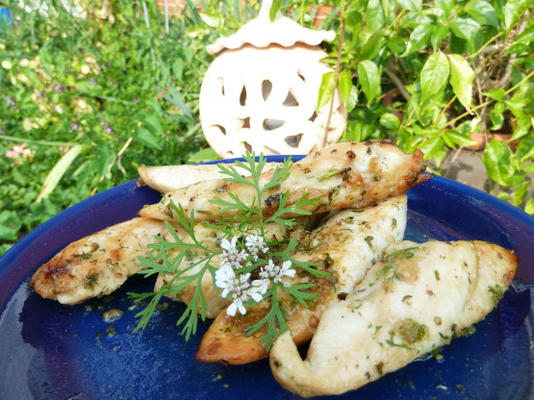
(398, 83)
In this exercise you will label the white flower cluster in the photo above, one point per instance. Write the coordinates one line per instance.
(254, 245)
(231, 256)
(276, 273)
(239, 287)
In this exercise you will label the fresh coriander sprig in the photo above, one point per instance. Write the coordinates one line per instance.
(248, 265)
(158, 261)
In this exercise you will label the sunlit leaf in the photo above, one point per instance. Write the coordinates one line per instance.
(147, 138)
(512, 11)
(522, 128)
(432, 146)
(57, 172)
(529, 207)
(326, 90)
(434, 75)
(212, 18)
(462, 76)
(439, 33)
(413, 5)
(275, 7)
(345, 85)
(459, 139)
(397, 45)
(525, 150)
(389, 121)
(372, 46)
(374, 16)
(203, 155)
(465, 28)
(520, 193)
(497, 116)
(483, 12)
(369, 78)
(447, 6)
(497, 159)
(496, 94)
(419, 38)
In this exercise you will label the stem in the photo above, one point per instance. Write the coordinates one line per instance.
(443, 110)
(398, 83)
(37, 142)
(484, 49)
(336, 73)
(489, 101)
(505, 80)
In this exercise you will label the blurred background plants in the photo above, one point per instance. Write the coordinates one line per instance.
(89, 93)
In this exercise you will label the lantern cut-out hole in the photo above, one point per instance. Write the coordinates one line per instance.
(243, 96)
(272, 124)
(247, 146)
(290, 100)
(294, 140)
(220, 80)
(244, 122)
(301, 76)
(221, 128)
(266, 88)
(314, 115)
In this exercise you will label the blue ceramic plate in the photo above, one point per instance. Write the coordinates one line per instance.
(50, 351)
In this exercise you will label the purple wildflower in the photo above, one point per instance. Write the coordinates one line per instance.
(75, 125)
(136, 100)
(10, 101)
(58, 88)
(108, 129)
(92, 81)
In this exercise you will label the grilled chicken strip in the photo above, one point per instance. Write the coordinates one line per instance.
(168, 178)
(97, 264)
(346, 246)
(342, 175)
(414, 301)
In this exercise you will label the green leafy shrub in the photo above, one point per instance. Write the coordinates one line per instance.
(452, 68)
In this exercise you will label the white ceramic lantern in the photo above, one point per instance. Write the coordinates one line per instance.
(260, 93)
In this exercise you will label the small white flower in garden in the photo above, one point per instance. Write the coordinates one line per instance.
(231, 255)
(35, 62)
(85, 69)
(255, 244)
(23, 78)
(6, 64)
(24, 62)
(27, 124)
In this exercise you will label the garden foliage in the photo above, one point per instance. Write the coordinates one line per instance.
(85, 100)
